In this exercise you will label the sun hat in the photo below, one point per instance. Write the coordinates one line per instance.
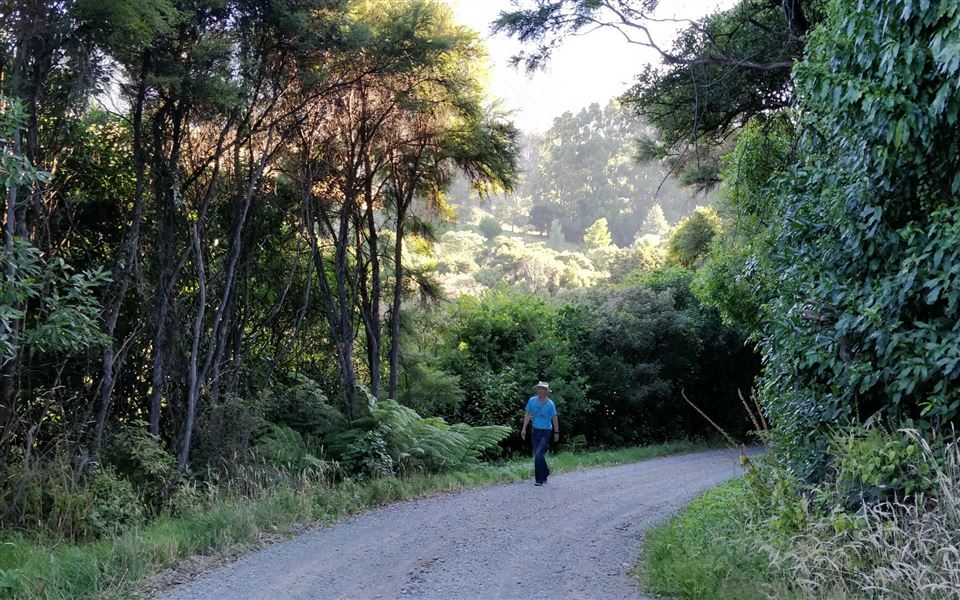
(542, 384)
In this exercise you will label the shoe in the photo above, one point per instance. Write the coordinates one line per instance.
(538, 483)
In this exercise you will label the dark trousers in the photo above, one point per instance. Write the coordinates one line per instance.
(540, 440)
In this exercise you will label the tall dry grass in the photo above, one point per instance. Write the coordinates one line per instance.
(902, 542)
(893, 549)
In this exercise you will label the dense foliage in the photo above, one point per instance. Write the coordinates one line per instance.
(617, 358)
(240, 221)
(837, 254)
(864, 323)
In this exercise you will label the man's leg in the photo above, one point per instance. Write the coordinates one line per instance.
(540, 439)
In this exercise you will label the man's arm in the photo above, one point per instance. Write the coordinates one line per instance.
(523, 428)
(556, 427)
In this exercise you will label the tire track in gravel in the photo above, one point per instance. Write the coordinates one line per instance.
(575, 537)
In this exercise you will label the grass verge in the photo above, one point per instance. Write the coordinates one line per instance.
(706, 551)
(42, 567)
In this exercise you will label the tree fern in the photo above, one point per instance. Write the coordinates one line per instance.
(387, 437)
(418, 443)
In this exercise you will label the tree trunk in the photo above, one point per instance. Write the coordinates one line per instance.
(395, 308)
(337, 308)
(124, 270)
(165, 183)
(372, 319)
(192, 380)
(220, 326)
(221, 320)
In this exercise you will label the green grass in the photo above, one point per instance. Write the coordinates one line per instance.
(43, 567)
(707, 551)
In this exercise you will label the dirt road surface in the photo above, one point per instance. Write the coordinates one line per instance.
(575, 537)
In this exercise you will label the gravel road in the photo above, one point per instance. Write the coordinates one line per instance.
(575, 537)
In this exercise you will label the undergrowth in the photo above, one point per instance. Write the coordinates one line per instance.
(884, 524)
(213, 519)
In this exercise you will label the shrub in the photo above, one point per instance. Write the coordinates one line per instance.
(635, 261)
(138, 456)
(864, 244)
(52, 496)
(500, 346)
(882, 549)
(733, 281)
(365, 453)
(872, 465)
(388, 438)
(597, 235)
(114, 504)
(458, 252)
(427, 388)
(691, 238)
(616, 357)
(227, 426)
(490, 227)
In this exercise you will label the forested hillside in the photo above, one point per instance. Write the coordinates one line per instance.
(588, 166)
(589, 207)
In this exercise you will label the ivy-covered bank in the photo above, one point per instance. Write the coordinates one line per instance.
(845, 270)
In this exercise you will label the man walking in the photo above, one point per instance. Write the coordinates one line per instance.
(543, 413)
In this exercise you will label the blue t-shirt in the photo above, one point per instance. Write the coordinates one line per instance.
(543, 414)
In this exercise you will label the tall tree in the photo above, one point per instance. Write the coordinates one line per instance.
(408, 118)
(655, 222)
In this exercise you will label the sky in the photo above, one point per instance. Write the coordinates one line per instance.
(585, 69)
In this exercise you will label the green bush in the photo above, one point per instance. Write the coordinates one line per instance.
(55, 498)
(691, 238)
(617, 359)
(387, 438)
(227, 427)
(490, 227)
(640, 345)
(863, 318)
(139, 457)
(115, 505)
(459, 252)
(597, 235)
(427, 388)
(872, 465)
(635, 261)
(364, 452)
(500, 346)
